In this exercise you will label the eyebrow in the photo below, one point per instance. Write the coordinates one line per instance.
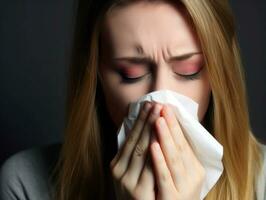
(140, 60)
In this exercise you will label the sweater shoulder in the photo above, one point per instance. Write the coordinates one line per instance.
(28, 173)
(261, 183)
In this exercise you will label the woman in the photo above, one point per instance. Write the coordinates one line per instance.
(124, 50)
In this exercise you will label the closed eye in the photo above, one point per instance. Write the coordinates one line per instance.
(191, 76)
(126, 79)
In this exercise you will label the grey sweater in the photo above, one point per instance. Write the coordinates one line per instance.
(25, 175)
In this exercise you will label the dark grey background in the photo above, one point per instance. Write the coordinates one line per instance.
(35, 40)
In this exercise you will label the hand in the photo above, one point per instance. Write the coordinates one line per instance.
(131, 170)
(179, 174)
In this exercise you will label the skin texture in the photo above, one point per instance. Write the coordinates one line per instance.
(156, 161)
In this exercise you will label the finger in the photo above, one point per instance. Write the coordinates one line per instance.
(173, 124)
(131, 138)
(177, 132)
(138, 156)
(120, 162)
(146, 181)
(162, 174)
(170, 151)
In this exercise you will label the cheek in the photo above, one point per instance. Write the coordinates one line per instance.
(116, 112)
(116, 105)
(119, 96)
(200, 92)
(202, 97)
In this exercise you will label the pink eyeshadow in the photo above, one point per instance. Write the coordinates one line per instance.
(132, 71)
(187, 69)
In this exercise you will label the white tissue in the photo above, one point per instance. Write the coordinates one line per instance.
(208, 150)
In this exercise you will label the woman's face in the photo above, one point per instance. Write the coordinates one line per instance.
(149, 46)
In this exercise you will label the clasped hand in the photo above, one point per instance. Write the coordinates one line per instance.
(156, 161)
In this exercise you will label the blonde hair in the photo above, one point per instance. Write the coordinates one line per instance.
(79, 171)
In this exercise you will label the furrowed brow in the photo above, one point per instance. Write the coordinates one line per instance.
(144, 60)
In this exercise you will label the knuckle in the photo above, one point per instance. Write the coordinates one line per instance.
(176, 128)
(173, 160)
(179, 147)
(116, 172)
(137, 193)
(144, 192)
(164, 176)
(127, 183)
(139, 150)
(131, 138)
(182, 146)
(124, 181)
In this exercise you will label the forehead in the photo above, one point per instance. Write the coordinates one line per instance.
(147, 25)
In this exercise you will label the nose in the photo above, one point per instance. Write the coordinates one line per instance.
(161, 78)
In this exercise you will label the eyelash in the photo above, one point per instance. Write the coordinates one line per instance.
(134, 80)
(191, 76)
(130, 80)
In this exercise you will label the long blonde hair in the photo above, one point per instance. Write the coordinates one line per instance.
(79, 170)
